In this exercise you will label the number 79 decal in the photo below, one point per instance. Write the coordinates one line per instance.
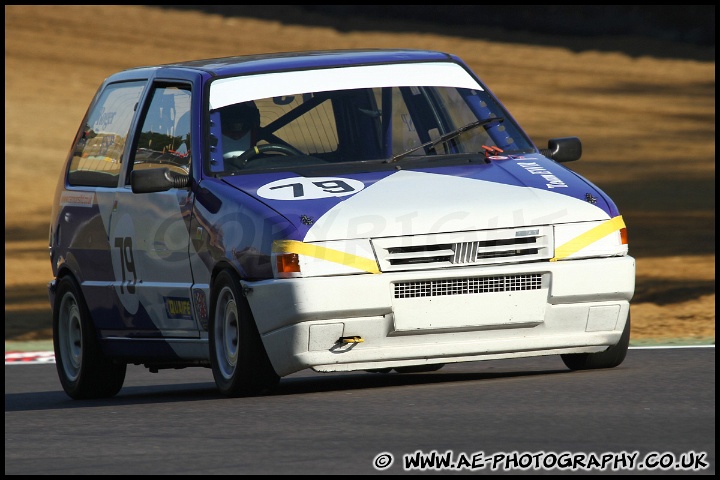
(127, 262)
(302, 188)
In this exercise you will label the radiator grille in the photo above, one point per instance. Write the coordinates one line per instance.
(464, 286)
(464, 248)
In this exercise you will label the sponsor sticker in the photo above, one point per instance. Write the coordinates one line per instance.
(77, 199)
(178, 307)
(551, 180)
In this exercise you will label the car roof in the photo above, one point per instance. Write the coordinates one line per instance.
(268, 62)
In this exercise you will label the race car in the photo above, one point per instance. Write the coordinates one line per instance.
(355, 210)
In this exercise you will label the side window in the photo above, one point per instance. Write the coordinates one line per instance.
(97, 153)
(164, 138)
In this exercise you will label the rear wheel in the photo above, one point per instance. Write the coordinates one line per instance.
(240, 364)
(83, 370)
(610, 358)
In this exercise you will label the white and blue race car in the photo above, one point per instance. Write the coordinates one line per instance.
(362, 210)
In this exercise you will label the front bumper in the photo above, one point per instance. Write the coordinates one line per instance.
(444, 315)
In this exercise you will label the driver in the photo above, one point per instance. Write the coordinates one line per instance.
(239, 123)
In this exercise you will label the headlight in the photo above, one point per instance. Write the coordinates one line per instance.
(605, 238)
(293, 258)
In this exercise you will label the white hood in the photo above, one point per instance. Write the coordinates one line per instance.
(415, 203)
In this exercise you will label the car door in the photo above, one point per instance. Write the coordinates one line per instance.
(149, 231)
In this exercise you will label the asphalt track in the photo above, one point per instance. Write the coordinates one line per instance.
(658, 406)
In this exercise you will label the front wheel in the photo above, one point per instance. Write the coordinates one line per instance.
(610, 358)
(83, 370)
(239, 362)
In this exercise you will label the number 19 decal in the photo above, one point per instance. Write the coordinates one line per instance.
(302, 188)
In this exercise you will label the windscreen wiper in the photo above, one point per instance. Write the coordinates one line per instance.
(444, 138)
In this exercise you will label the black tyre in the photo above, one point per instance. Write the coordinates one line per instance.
(420, 368)
(240, 364)
(610, 358)
(83, 370)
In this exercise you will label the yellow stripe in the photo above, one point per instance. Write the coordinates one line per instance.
(324, 253)
(591, 236)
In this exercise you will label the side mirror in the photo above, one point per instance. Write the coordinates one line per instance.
(157, 180)
(567, 149)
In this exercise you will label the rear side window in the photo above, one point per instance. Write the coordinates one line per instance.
(97, 153)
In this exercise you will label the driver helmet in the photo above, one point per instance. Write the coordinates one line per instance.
(240, 118)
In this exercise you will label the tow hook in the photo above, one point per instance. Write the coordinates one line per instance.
(353, 339)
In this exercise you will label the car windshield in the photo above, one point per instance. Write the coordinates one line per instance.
(374, 124)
